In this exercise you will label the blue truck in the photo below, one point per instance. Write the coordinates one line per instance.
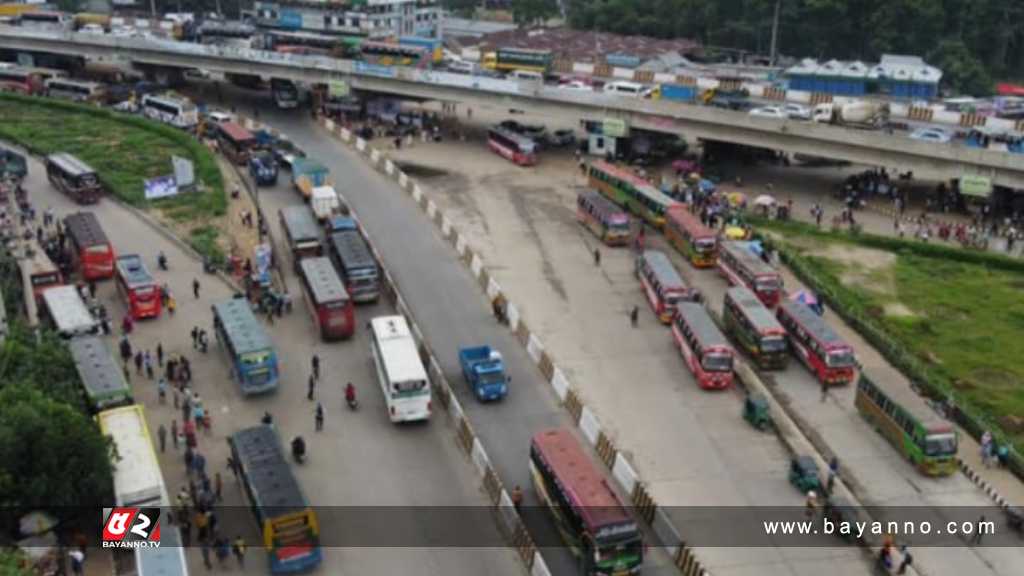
(484, 370)
(263, 168)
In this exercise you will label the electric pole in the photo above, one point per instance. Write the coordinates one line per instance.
(775, 34)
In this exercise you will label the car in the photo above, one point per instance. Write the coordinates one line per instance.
(576, 85)
(769, 112)
(932, 135)
(562, 138)
(511, 125)
(126, 106)
(285, 152)
(92, 29)
(535, 131)
(220, 117)
(796, 111)
(122, 31)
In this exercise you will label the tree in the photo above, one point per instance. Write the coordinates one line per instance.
(528, 12)
(464, 8)
(12, 563)
(962, 69)
(46, 363)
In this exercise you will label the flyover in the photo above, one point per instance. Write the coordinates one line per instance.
(925, 159)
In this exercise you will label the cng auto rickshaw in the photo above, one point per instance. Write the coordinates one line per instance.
(757, 412)
(803, 473)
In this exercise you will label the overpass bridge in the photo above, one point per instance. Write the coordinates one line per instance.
(925, 159)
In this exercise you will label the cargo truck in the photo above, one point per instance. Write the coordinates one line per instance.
(484, 370)
(263, 168)
(307, 174)
(324, 202)
(857, 114)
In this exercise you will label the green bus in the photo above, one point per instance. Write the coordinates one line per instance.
(509, 59)
(102, 378)
(930, 445)
(754, 328)
(630, 191)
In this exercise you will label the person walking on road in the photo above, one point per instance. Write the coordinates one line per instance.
(517, 497)
(312, 387)
(174, 433)
(218, 486)
(195, 337)
(195, 288)
(597, 256)
(319, 417)
(634, 316)
(138, 362)
(316, 367)
(159, 354)
(147, 361)
(908, 560)
(976, 538)
(238, 548)
(77, 561)
(162, 434)
(172, 305)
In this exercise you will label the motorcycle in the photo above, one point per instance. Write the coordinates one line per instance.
(350, 398)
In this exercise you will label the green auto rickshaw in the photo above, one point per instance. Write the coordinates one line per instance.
(803, 473)
(756, 411)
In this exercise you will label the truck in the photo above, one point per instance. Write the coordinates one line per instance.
(338, 222)
(325, 202)
(307, 174)
(508, 59)
(432, 45)
(263, 168)
(484, 370)
(675, 93)
(856, 114)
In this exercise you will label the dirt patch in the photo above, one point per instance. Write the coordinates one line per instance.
(898, 309)
(414, 170)
(528, 210)
(863, 267)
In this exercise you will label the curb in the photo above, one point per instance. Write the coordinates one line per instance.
(983, 484)
(684, 558)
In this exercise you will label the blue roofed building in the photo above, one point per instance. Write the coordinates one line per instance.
(896, 76)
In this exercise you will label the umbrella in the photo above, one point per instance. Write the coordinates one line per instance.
(737, 199)
(735, 233)
(35, 523)
(808, 298)
(764, 200)
(706, 186)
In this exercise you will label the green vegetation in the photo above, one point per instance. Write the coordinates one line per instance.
(203, 239)
(972, 41)
(12, 563)
(948, 318)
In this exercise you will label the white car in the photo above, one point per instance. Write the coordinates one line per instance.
(122, 31)
(576, 85)
(92, 29)
(219, 117)
(796, 111)
(932, 135)
(769, 112)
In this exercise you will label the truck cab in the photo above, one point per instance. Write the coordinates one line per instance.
(484, 369)
(263, 169)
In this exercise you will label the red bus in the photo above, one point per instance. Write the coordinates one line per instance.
(687, 234)
(20, 80)
(514, 147)
(742, 268)
(138, 287)
(754, 327)
(705, 349)
(235, 142)
(588, 513)
(816, 344)
(662, 284)
(329, 302)
(602, 217)
(91, 251)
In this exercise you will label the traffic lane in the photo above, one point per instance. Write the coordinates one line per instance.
(452, 312)
(378, 472)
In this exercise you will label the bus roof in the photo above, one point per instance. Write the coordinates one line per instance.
(603, 206)
(167, 560)
(70, 164)
(740, 251)
(300, 223)
(236, 132)
(37, 263)
(513, 136)
(246, 333)
(85, 230)
(352, 249)
(637, 182)
(703, 327)
(68, 311)
(100, 374)
(598, 505)
(271, 483)
(753, 308)
(61, 81)
(323, 280)
(663, 269)
(137, 477)
(811, 322)
(398, 349)
(680, 215)
(133, 270)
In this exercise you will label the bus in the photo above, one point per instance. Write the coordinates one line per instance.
(249, 349)
(327, 298)
(285, 93)
(687, 234)
(91, 252)
(754, 327)
(177, 111)
(291, 531)
(41, 18)
(64, 311)
(662, 284)
(73, 177)
(706, 351)
(928, 443)
(76, 90)
(138, 482)
(400, 371)
(102, 378)
(538, 61)
(588, 513)
(602, 217)
(137, 287)
(38, 273)
(20, 80)
(514, 147)
(387, 54)
(358, 267)
(235, 142)
(301, 232)
(630, 191)
(741, 267)
(816, 345)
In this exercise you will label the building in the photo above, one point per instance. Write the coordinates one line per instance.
(897, 76)
(370, 18)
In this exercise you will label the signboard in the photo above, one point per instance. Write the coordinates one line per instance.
(184, 172)
(290, 19)
(615, 128)
(262, 255)
(337, 89)
(975, 186)
(160, 187)
(375, 70)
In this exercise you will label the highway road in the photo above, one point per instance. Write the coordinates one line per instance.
(358, 468)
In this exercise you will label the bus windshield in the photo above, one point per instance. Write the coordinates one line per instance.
(717, 363)
(409, 387)
(254, 358)
(940, 444)
(773, 344)
(618, 225)
(607, 556)
(767, 284)
(839, 359)
(704, 244)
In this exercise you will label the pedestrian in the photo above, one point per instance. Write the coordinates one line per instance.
(319, 417)
(811, 504)
(186, 531)
(147, 361)
(92, 289)
(976, 539)
(824, 391)
(222, 549)
(316, 367)
(634, 316)
(217, 485)
(127, 373)
(205, 549)
(172, 305)
(174, 433)
(233, 466)
(312, 387)
(202, 522)
(77, 561)
(195, 337)
(238, 548)
(597, 256)
(517, 497)
(907, 561)
(161, 432)
(138, 362)
(159, 354)
(195, 288)
(190, 457)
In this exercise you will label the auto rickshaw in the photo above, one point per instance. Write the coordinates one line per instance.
(757, 412)
(803, 473)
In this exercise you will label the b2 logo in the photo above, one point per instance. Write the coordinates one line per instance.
(130, 524)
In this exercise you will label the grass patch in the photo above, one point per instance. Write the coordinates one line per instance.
(963, 337)
(124, 150)
(203, 239)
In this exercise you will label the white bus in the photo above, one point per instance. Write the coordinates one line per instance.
(65, 312)
(139, 482)
(399, 369)
(176, 111)
(78, 91)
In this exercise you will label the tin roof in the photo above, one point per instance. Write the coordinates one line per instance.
(586, 46)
